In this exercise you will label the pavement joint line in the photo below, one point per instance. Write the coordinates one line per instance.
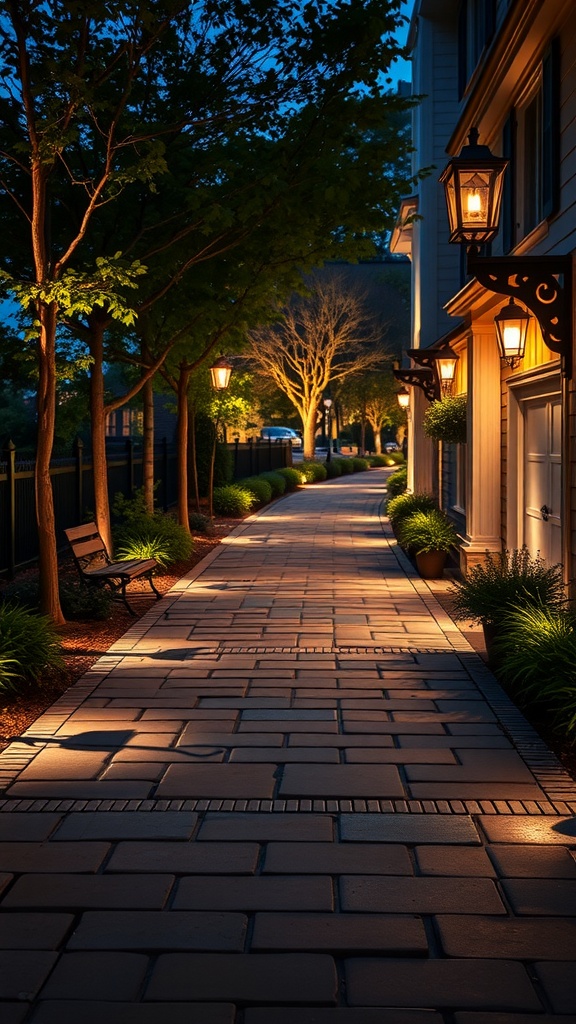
(460, 808)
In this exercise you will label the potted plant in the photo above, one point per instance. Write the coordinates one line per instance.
(504, 581)
(445, 420)
(429, 535)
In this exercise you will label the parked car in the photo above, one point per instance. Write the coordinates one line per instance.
(280, 434)
(391, 446)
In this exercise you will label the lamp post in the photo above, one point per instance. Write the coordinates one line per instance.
(220, 373)
(473, 183)
(327, 402)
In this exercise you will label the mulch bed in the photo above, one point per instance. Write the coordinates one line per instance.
(84, 642)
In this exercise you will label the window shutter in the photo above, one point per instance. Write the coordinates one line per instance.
(462, 48)
(551, 130)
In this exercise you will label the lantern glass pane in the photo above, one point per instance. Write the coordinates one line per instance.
(220, 377)
(447, 368)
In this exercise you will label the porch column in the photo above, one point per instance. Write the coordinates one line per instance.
(422, 457)
(483, 468)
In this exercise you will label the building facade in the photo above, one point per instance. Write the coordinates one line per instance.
(508, 69)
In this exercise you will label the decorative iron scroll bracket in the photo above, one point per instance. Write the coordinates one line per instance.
(422, 378)
(423, 357)
(543, 284)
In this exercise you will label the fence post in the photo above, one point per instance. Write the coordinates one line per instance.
(130, 458)
(10, 453)
(165, 472)
(251, 453)
(236, 447)
(79, 453)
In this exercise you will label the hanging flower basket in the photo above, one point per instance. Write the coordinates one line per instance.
(445, 420)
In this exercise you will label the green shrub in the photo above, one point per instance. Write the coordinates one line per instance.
(198, 523)
(421, 532)
(333, 469)
(29, 643)
(395, 458)
(536, 652)
(160, 531)
(259, 487)
(397, 482)
(233, 500)
(504, 581)
(360, 464)
(346, 466)
(405, 504)
(78, 600)
(313, 472)
(445, 420)
(276, 481)
(292, 477)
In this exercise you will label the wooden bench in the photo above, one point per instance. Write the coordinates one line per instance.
(96, 567)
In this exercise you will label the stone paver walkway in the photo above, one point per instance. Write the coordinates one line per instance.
(290, 794)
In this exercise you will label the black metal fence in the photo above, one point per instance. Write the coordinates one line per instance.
(73, 488)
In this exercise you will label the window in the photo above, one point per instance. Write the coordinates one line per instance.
(475, 29)
(531, 141)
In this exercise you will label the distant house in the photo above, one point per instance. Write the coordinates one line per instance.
(508, 69)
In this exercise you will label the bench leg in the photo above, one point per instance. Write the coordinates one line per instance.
(151, 582)
(125, 599)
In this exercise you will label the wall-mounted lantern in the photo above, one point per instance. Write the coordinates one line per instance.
(403, 398)
(511, 331)
(445, 360)
(473, 183)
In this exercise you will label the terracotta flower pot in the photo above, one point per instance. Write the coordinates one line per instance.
(430, 564)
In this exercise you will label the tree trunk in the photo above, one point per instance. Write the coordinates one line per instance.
(182, 448)
(362, 436)
(309, 434)
(377, 439)
(45, 520)
(148, 445)
(98, 429)
(192, 465)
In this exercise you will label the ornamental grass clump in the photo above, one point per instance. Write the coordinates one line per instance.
(504, 581)
(29, 644)
(141, 530)
(536, 653)
(427, 531)
(406, 504)
(233, 500)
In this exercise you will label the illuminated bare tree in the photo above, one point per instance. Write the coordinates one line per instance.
(319, 339)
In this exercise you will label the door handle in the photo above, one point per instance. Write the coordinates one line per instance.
(545, 512)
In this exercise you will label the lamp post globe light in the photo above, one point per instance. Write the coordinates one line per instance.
(220, 373)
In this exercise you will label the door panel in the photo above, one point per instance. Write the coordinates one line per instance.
(543, 477)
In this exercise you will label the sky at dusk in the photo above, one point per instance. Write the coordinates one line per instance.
(402, 69)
